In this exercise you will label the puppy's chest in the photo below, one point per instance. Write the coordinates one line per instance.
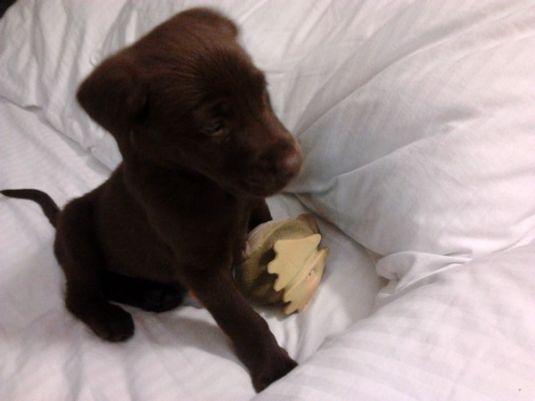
(204, 223)
(222, 223)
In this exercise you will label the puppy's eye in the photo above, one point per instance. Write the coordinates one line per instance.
(214, 127)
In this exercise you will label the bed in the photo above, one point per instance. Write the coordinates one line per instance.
(416, 120)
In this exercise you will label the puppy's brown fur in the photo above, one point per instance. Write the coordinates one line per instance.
(201, 149)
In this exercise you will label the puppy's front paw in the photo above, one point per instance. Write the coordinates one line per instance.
(273, 370)
(110, 322)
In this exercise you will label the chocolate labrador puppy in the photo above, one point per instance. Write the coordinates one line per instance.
(201, 150)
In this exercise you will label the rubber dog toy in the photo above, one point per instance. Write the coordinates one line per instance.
(282, 263)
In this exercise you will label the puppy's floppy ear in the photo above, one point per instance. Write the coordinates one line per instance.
(114, 95)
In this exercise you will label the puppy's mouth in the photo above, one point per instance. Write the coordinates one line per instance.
(261, 189)
(266, 182)
(265, 186)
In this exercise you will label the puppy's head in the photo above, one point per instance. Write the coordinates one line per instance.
(188, 96)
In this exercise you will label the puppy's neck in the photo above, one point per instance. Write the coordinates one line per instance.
(141, 171)
(145, 179)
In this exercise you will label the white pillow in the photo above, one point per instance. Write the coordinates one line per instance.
(48, 48)
(422, 145)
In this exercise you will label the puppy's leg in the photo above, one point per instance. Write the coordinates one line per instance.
(79, 256)
(259, 214)
(145, 294)
(254, 343)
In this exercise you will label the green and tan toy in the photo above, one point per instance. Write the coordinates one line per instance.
(283, 263)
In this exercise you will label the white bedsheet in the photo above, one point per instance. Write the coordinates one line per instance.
(179, 355)
(465, 333)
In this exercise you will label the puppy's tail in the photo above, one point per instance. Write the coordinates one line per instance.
(50, 209)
